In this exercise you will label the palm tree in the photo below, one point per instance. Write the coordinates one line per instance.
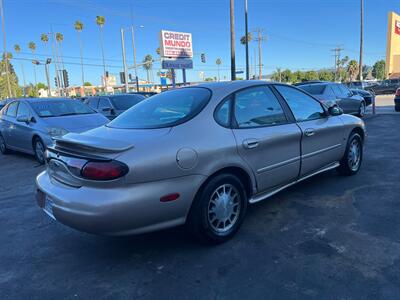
(32, 47)
(100, 21)
(17, 48)
(44, 38)
(218, 62)
(79, 27)
(148, 65)
(249, 38)
(59, 40)
(352, 69)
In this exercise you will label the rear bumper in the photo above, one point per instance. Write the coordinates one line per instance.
(132, 209)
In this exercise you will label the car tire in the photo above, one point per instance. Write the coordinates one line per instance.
(3, 145)
(361, 110)
(351, 162)
(39, 149)
(218, 209)
(397, 108)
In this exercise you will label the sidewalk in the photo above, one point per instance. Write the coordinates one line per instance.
(384, 105)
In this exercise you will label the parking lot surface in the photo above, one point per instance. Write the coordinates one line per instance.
(330, 237)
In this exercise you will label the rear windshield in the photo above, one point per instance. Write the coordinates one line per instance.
(58, 108)
(126, 101)
(164, 110)
(314, 89)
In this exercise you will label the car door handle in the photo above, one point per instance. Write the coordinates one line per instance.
(250, 143)
(309, 132)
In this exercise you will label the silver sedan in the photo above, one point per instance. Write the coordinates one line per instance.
(196, 156)
(30, 125)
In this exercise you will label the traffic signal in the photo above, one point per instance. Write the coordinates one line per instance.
(56, 81)
(130, 77)
(203, 58)
(65, 77)
(122, 77)
(106, 74)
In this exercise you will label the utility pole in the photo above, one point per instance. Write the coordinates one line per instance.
(360, 66)
(232, 18)
(337, 52)
(134, 58)
(260, 38)
(124, 61)
(247, 40)
(5, 49)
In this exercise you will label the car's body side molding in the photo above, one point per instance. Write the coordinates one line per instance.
(270, 193)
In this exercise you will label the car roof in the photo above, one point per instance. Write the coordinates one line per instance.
(35, 100)
(313, 82)
(232, 84)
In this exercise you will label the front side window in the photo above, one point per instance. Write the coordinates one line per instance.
(256, 107)
(12, 109)
(338, 92)
(23, 110)
(93, 103)
(59, 108)
(167, 109)
(345, 90)
(104, 103)
(303, 106)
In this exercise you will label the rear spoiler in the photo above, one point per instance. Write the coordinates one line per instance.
(81, 141)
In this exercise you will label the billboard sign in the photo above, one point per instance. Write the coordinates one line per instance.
(176, 44)
(180, 63)
(397, 27)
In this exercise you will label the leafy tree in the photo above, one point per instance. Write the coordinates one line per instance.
(79, 27)
(41, 85)
(378, 70)
(326, 75)
(209, 79)
(87, 83)
(286, 76)
(15, 88)
(218, 62)
(17, 48)
(311, 75)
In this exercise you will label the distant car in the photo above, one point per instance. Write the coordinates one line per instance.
(359, 85)
(368, 96)
(330, 93)
(388, 86)
(146, 94)
(397, 100)
(30, 125)
(112, 106)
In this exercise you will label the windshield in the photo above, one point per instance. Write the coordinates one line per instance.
(314, 89)
(163, 110)
(58, 108)
(126, 101)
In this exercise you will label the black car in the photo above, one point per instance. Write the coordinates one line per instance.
(112, 106)
(146, 94)
(388, 86)
(368, 96)
(335, 93)
(359, 85)
(397, 100)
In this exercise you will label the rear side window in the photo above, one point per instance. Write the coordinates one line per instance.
(303, 107)
(23, 110)
(167, 109)
(126, 101)
(314, 89)
(12, 109)
(92, 102)
(257, 107)
(104, 103)
(222, 114)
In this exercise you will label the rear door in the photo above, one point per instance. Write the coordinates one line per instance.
(351, 102)
(341, 98)
(322, 135)
(9, 123)
(266, 139)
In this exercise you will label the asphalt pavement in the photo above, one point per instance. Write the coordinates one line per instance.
(329, 237)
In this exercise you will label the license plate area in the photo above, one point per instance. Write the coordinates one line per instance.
(46, 203)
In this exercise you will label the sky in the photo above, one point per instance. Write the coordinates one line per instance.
(299, 34)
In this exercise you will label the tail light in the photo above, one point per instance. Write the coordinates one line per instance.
(104, 170)
(398, 92)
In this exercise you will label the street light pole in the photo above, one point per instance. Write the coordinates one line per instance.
(360, 74)
(134, 58)
(5, 49)
(46, 67)
(232, 19)
(247, 40)
(124, 61)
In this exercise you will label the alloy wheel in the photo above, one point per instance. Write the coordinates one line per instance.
(354, 155)
(39, 150)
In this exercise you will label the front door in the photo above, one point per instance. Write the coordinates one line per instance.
(266, 140)
(322, 135)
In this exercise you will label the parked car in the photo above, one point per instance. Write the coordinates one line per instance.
(368, 96)
(336, 93)
(397, 100)
(4, 102)
(388, 86)
(30, 125)
(359, 85)
(114, 105)
(196, 155)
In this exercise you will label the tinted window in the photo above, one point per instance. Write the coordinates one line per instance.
(303, 106)
(346, 92)
(58, 108)
(338, 92)
(104, 103)
(12, 109)
(258, 106)
(93, 102)
(222, 114)
(163, 110)
(314, 89)
(23, 110)
(127, 101)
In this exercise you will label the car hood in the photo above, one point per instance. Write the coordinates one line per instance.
(77, 123)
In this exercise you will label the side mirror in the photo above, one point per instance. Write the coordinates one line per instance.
(335, 110)
(23, 119)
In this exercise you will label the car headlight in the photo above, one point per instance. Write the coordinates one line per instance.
(55, 132)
